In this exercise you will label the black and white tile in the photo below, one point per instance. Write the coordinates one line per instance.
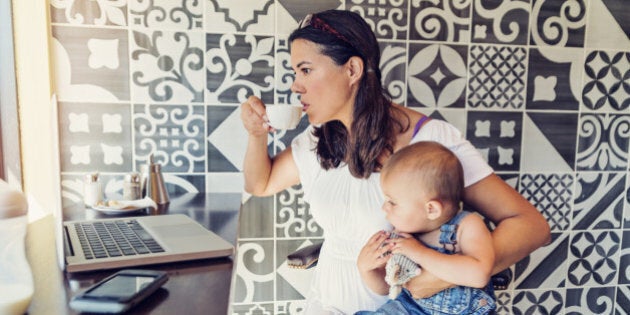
(173, 134)
(558, 23)
(537, 302)
(388, 18)
(436, 75)
(167, 66)
(253, 16)
(166, 14)
(108, 13)
(497, 135)
(95, 137)
(540, 87)
(442, 20)
(608, 26)
(90, 64)
(238, 66)
(599, 300)
(599, 200)
(605, 86)
(497, 77)
(500, 22)
(603, 142)
(554, 78)
(552, 195)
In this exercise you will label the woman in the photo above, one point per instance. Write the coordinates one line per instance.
(354, 129)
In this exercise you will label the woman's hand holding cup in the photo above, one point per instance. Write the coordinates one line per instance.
(254, 117)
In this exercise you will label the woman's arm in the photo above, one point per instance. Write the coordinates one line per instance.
(520, 228)
(264, 176)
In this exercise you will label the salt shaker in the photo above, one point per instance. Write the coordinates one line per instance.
(16, 279)
(92, 190)
(131, 186)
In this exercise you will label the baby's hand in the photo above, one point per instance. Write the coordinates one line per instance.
(406, 244)
(375, 253)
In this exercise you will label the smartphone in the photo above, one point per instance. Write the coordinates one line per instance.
(119, 292)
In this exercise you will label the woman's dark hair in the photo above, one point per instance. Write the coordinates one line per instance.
(340, 36)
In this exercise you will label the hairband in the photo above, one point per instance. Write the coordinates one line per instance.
(316, 22)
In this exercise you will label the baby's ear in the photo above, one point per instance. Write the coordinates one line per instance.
(434, 209)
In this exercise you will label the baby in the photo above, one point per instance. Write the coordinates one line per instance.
(423, 187)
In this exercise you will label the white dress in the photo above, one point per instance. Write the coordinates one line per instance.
(349, 211)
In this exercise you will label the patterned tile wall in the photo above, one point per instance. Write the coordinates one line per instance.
(540, 87)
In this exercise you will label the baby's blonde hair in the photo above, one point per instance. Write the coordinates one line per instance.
(434, 168)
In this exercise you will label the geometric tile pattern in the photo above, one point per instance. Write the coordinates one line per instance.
(540, 87)
(388, 17)
(436, 75)
(166, 14)
(599, 200)
(551, 195)
(537, 302)
(91, 64)
(497, 77)
(89, 12)
(95, 137)
(591, 258)
(237, 66)
(608, 26)
(253, 16)
(549, 142)
(603, 142)
(557, 24)
(605, 79)
(167, 66)
(497, 135)
(554, 78)
(174, 134)
(500, 22)
(440, 20)
(598, 300)
(545, 268)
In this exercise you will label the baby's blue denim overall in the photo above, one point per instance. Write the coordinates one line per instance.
(456, 300)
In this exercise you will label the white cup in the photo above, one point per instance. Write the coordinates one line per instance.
(284, 116)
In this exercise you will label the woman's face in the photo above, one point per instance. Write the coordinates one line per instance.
(325, 88)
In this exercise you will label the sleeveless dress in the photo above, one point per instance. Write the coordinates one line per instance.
(349, 211)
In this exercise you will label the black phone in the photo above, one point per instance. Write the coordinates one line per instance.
(119, 292)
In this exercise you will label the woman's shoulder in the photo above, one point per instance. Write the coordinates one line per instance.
(304, 143)
(438, 130)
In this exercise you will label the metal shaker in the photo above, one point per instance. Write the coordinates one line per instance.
(156, 188)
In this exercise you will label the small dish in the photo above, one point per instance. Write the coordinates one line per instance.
(116, 211)
(114, 207)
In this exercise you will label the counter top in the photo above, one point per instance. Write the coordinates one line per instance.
(194, 287)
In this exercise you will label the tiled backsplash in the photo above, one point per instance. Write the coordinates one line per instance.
(540, 87)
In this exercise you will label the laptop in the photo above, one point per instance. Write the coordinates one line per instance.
(133, 241)
(129, 241)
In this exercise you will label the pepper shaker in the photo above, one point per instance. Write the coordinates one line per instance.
(131, 186)
(156, 188)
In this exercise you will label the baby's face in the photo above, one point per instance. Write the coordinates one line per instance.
(404, 205)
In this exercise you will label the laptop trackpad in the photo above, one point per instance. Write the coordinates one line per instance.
(179, 230)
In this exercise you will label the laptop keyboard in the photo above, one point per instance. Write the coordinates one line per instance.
(115, 238)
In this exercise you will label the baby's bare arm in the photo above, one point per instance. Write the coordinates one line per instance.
(471, 266)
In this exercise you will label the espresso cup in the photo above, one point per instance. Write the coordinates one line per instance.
(284, 116)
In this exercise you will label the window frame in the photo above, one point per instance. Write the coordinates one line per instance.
(10, 152)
